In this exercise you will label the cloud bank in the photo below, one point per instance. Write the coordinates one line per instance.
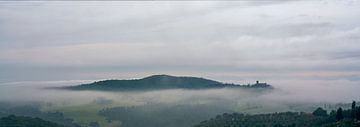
(237, 41)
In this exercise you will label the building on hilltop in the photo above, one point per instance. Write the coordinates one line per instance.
(258, 84)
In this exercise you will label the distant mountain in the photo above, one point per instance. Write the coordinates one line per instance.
(156, 82)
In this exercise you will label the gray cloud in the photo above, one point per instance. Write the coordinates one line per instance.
(228, 40)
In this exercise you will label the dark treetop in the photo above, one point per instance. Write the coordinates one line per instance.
(319, 118)
(22, 121)
(156, 82)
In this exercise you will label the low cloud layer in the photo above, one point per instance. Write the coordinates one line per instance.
(228, 41)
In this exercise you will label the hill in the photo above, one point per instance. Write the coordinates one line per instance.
(156, 82)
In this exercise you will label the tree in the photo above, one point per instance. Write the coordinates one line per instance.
(353, 105)
(320, 112)
(332, 113)
(353, 109)
(357, 113)
(339, 114)
(94, 124)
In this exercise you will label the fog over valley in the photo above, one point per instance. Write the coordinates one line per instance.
(300, 96)
(298, 92)
(258, 63)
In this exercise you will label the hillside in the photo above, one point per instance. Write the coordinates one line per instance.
(161, 115)
(286, 119)
(318, 118)
(22, 121)
(156, 82)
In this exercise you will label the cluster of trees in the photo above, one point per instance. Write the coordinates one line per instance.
(340, 113)
(353, 113)
(32, 110)
(22, 121)
(318, 118)
(285, 119)
(161, 115)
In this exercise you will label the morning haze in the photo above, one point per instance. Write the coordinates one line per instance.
(308, 52)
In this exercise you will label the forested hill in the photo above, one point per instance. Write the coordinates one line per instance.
(156, 82)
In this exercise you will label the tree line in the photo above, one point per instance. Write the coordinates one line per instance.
(318, 118)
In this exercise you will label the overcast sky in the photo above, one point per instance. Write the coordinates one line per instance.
(227, 41)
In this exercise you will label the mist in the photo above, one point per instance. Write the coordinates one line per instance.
(286, 92)
(307, 50)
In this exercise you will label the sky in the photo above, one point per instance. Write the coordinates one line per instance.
(230, 41)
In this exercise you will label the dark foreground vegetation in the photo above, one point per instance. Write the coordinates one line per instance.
(161, 115)
(32, 110)
(158, 82)
(319, 118)
(23, 121)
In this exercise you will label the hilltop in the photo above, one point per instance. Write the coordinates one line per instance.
(156, 82)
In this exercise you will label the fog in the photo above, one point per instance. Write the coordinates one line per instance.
(307, 50)
(170, 108)
(285, 92)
